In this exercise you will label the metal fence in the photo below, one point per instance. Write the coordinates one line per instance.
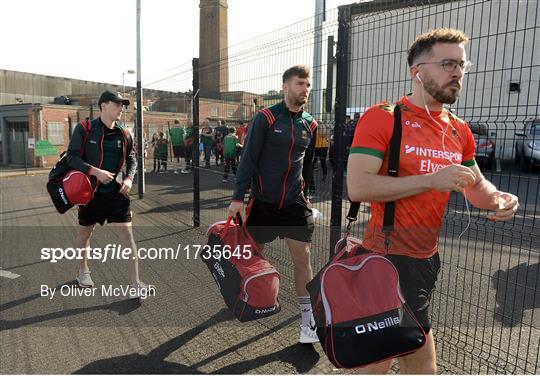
(485, 308)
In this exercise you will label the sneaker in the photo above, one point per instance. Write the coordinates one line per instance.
(184, 171)
(176, 171)
(138, 286)
(308, 334)
(225, 181)
(84, 280)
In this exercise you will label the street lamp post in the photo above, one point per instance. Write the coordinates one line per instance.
(130, 71)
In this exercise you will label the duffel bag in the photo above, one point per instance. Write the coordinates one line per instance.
(68, 187)
(248, 283)
(74, 188)
(359, 310)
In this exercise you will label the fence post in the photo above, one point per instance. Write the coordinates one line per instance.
(195, 147)
(140, 121)
(329, 74)
(342, 86)
(169, 144)
(25, 148)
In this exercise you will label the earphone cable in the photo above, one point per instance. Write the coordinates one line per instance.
(443, 131)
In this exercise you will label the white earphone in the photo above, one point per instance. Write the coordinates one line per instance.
(418, 76)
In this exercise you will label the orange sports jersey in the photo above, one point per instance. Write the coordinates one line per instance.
(418, 218)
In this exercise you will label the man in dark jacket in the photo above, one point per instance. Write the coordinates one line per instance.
(278, 157)
(102, 153)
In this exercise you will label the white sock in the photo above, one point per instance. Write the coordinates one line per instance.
(82, 269)
(305, 310)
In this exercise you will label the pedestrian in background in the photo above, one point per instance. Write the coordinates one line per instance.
(208, 140)
(230, 143)
(163, 147)
(189, 152)
(176, 134)
(155, 151)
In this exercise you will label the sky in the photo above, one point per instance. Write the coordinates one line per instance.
(95, 40)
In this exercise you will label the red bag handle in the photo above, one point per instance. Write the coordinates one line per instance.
(238, 221)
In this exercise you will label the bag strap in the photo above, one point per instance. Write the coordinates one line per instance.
(393, 167)
(87, 125)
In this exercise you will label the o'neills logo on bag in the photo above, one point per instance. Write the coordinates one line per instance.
(376, 325)
(63, 196)
(219, 269)
(267, 310)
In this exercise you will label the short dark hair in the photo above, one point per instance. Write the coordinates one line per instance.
(300, 71)
(424, 42)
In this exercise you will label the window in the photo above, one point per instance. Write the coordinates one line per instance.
(230, 113)
(55, 133)
(515, 87)
(214, 112)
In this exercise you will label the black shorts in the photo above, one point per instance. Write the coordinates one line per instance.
(110, 207)
(321, 152)
(178, 151)
(417, 279)
(265, 221)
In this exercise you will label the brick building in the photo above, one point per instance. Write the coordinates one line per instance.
(23, 125)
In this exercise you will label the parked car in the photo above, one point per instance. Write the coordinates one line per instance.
(486, 146)
(528, 145)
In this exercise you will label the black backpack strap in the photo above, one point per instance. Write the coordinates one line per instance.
(87, 125)
(352, 216)
(393, 166)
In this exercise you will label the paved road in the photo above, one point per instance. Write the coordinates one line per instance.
(184, 329)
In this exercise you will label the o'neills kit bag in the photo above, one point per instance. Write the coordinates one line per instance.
(74, 188)
(248, 283)
(359, 309)
(68, 187)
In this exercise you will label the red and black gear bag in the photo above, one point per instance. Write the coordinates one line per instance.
(248, 283)
(358, 306)
(68, 187)
(359, 309)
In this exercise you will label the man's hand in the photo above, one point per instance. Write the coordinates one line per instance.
(506, 205)
(235, 208)
(104, 177)
(308, 203)
(452, 178)
(126, 186)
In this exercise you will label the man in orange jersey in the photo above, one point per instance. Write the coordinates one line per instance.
(436, 157)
